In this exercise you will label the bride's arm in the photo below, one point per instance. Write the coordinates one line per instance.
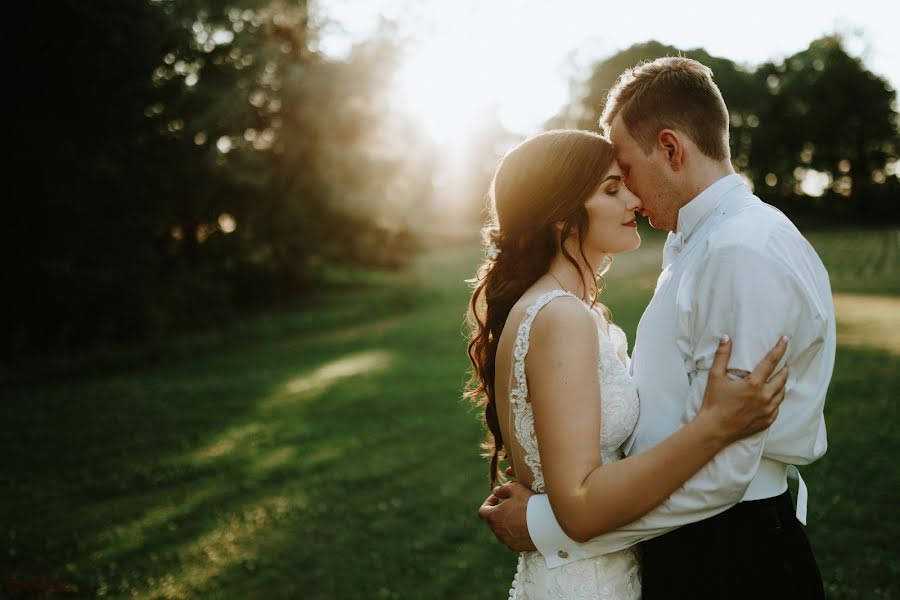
(587, 497)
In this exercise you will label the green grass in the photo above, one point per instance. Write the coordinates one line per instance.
(325, 453)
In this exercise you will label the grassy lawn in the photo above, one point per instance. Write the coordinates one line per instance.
(325, 453)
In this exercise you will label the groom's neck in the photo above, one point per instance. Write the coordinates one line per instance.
(704, 175)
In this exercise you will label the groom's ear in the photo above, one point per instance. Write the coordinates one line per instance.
(669, 142)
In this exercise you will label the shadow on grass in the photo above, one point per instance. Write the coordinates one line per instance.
(335, 460)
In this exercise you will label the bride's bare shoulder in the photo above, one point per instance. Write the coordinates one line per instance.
(563, 316)
(521, 306)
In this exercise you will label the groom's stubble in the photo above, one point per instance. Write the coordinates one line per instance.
(648, 178)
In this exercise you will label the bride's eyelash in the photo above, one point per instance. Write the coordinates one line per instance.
(613, 191)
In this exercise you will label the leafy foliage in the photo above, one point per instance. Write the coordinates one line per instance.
(190, 159)
(820, 110)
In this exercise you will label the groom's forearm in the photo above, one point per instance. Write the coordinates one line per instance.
(559, 549)
(615, 494)
(717, 486)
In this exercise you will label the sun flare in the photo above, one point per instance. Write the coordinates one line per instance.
(443, 90)
(475, 65)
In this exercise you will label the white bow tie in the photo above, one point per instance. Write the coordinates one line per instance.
(673, 247)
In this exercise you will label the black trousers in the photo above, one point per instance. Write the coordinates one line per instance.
(756, 549)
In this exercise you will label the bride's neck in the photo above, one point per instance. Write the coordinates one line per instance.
(564, 273)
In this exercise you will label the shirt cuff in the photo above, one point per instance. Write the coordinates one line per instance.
(551, 541)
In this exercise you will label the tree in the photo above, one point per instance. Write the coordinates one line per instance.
(819, 110)
(826, 112)
(189, 158)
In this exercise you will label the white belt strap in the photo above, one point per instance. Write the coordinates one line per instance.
(802, 493)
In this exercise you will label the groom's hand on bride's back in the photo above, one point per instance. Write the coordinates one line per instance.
(504, 512)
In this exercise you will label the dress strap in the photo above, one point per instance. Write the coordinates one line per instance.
(519, 393)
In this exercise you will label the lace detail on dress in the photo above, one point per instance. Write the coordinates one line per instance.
(619, 404)
(518, 395)
(619, 399)
(611, 576)
(615, 576)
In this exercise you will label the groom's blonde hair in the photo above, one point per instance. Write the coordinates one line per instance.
(670, 93)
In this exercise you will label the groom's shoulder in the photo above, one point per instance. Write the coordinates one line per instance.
(756, 227)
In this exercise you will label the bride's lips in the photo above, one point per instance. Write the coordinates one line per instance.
(631, 223)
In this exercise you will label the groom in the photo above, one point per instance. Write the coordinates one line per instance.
(731, 265)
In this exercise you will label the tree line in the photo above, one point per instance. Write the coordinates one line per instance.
(188, 160)
(816, 133)
(180, 162)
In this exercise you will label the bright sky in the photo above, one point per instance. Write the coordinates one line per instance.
(519, 55)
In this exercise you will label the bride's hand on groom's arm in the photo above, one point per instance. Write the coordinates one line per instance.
(737, 408)
(504, 512)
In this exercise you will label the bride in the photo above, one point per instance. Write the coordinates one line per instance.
(551, 371)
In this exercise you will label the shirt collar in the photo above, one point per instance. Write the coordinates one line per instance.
(692, 214)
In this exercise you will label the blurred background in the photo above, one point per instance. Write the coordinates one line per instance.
(233, 350)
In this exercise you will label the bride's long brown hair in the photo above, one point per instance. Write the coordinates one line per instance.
(543, 181)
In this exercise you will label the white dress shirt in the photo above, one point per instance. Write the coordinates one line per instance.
(735, 266)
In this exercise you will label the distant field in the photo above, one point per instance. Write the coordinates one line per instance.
(859, 261)
(325, 453)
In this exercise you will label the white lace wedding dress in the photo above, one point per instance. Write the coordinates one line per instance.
(611, 576)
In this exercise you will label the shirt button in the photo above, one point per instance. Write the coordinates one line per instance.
(562, 554)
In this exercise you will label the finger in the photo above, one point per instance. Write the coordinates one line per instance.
(720, 361)
(778, 398)
(503, 491)
(766, 367)
(489, 504)
(778, 381)
(510, 472)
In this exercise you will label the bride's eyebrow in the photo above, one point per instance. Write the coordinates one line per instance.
(608, 177)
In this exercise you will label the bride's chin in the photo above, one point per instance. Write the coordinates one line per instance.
(634, 245)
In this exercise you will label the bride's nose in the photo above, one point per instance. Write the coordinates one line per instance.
(633, 203)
